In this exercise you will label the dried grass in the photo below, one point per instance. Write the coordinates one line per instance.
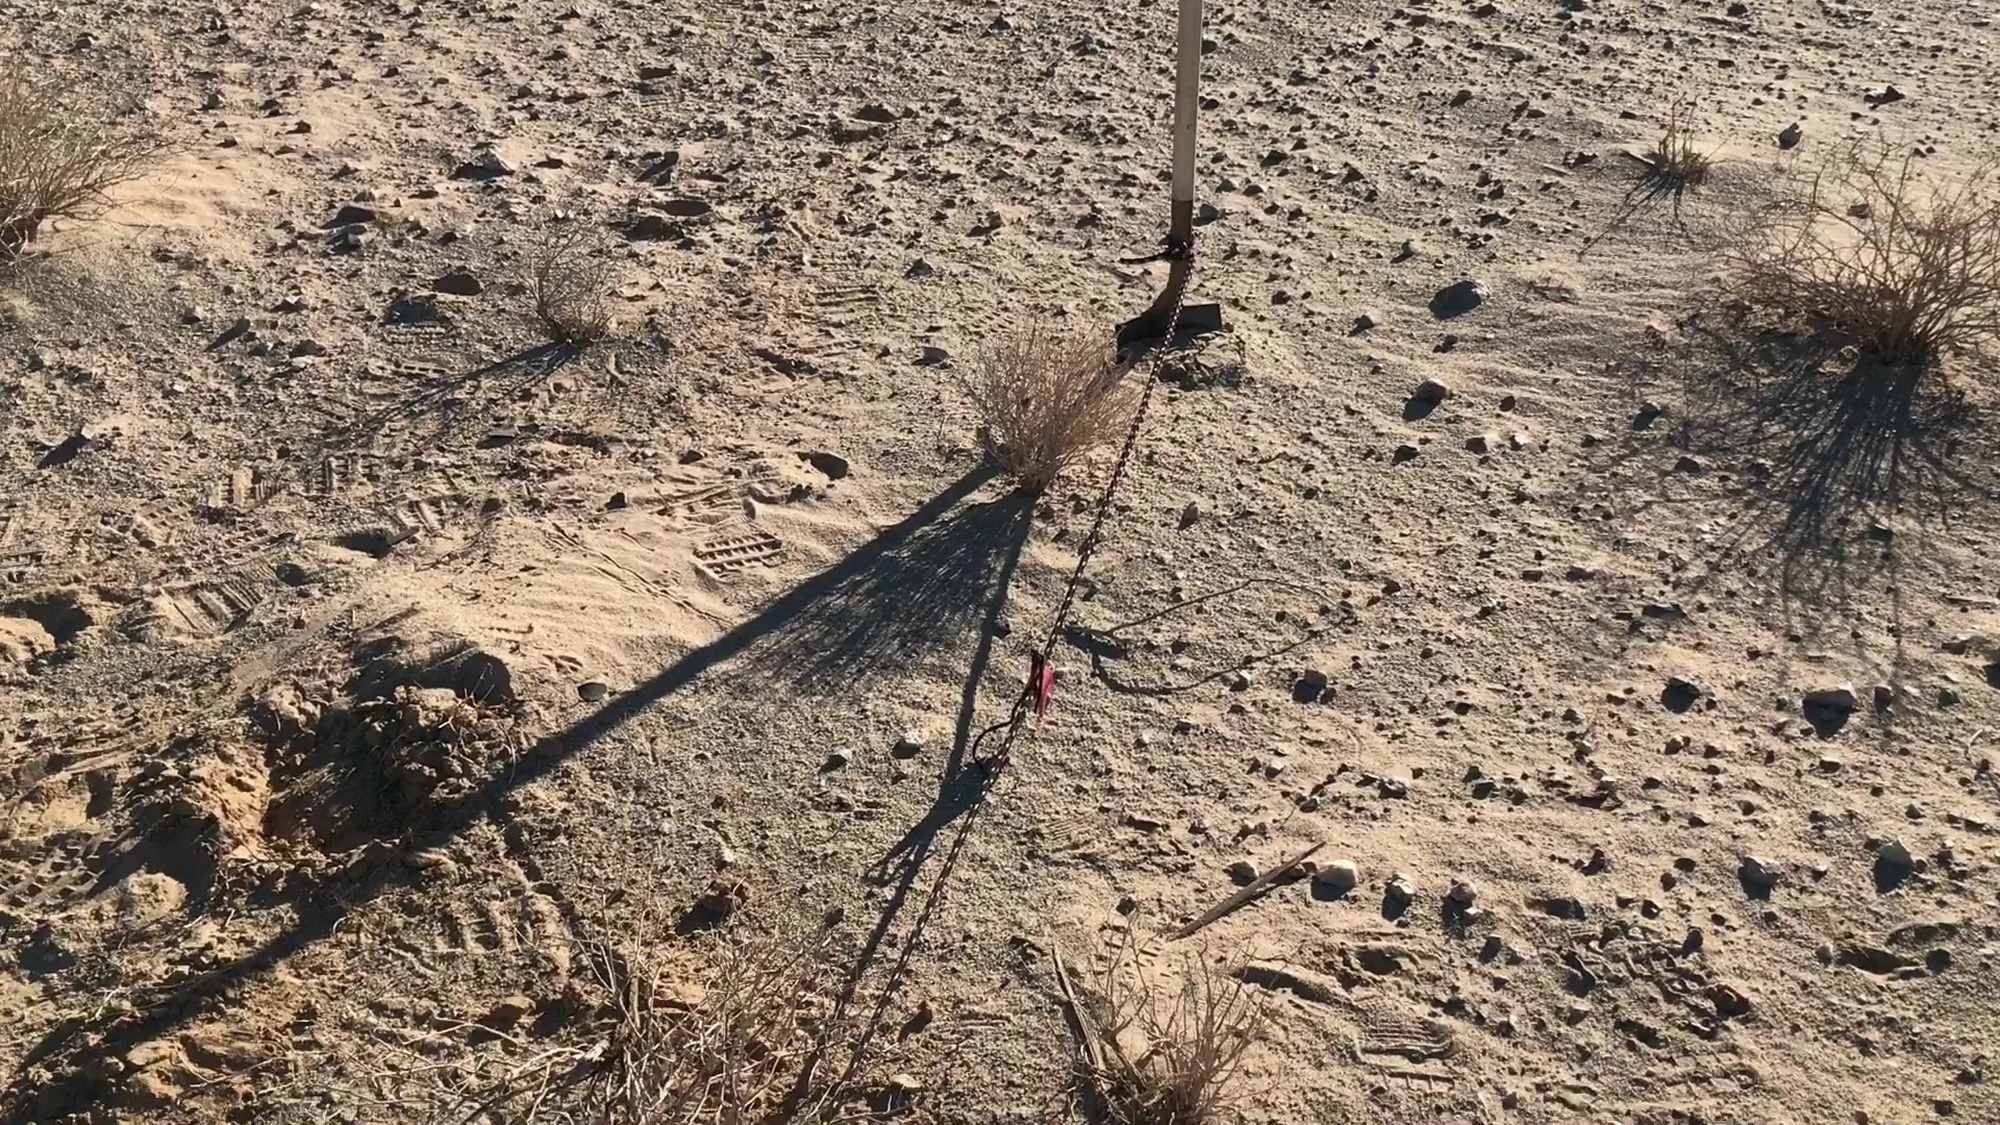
(1675, 161)
(570, 277)
(59, 156)
(1046, 400)
(735, 1048)
(1907, 267)
(1174, 1060)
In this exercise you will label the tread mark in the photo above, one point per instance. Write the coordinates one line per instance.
(730, 553)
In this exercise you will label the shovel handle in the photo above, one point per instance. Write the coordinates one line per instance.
(1187, 92)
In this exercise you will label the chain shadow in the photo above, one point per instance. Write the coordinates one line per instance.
(50, 1083)
(1103, 644)
(962, 792)
(1816, 447)
(961, 787)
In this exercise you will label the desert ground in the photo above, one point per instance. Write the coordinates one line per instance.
(374, 673)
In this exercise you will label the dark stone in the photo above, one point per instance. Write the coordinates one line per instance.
(351, 214)
(1458, 298)
(832, 464)
(459, 283)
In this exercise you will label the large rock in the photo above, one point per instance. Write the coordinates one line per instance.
(1458, 298)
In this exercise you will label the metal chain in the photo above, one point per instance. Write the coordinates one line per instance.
(1019, 714)
(1018, 717)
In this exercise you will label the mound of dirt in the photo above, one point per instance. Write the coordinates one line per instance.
(416, 729)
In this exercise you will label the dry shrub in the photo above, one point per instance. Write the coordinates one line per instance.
(1153, 1060)
(1907, 267)
(736, 1046)
(1045, 400)
(1675, 160)
(59, 158)
(570, 276)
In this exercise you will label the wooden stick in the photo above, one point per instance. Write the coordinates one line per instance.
(1256, 887)
(1086, 1032)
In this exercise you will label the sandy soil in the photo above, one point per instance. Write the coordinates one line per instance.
(363, 660)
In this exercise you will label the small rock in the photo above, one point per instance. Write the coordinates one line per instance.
(908, 745)
(1789, 136)
(488, 165)
(1341, 875)
(1430, 391)
(591, 691)
(833, 465)
(1243, 871)
(1399, 891)
(1464, 892)
(1680, 694)
(1895, 854)
(1759, 873)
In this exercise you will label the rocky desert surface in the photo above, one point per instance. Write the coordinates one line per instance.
(370, 666)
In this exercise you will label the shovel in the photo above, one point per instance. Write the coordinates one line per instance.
(1194, 319)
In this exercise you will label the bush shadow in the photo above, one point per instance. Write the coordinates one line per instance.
(1817, 451)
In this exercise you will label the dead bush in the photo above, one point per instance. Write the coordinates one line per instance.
(734, 1043)
(1907, 267)
(1046, 400)
(59, 156)
(1676, 162)
(570, 276)
(1153, 1060)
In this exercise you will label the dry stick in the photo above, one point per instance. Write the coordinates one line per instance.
(1255, 888)
(1086, 1032)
